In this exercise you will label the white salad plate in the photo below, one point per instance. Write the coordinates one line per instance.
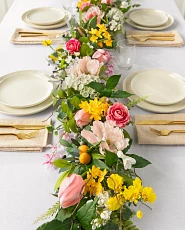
(148, 17)
(161, 87)
(24, 89)
(148, 106)
(45, 15)
(169, 23)
(55, 26)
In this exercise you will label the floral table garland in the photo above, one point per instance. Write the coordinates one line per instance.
(98, 184)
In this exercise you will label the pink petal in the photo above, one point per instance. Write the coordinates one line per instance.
(89, 136)
(93, 67)
(98, 129)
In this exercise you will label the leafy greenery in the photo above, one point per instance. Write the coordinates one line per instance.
(140, 161)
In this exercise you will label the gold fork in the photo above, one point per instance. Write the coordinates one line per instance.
(165, 132)
(23, 136)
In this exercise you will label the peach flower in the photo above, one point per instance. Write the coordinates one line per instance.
(85, 4)
(91, 12)
(107, 1)
(102, 56)
(70, 191)
(82, 118)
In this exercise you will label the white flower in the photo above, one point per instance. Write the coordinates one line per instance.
(127, 161)
(124, 4)
(68, 59)
(105, 214)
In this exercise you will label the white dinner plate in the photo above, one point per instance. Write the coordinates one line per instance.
(162, 27)
(26, 111)
(148, 17)
(161, 87)
(45, 16)
(24, 89)
(55, 26)
(148, 106)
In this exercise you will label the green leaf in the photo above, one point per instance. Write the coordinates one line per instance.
(63, 214)
(65, 143)
(66, 127)
(61, 93)
(97, 86)
(127, 179)
(127, 135)
(97, 156)
(99, 163)
(50, 128)
(75, 101)
(110, 226)
(75, 142)
(106, 93)
(112, 81)
(72, 125)
(60, 179)
(86, 213)
(110, 158)
(93, 22)
(56, 225)
(85, 50)
(120, 94)
(60, 163)
(126, 213)
(140, 161)
(84, 39)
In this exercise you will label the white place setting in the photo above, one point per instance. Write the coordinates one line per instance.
(150, 56)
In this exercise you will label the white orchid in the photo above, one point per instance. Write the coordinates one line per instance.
(127, 161)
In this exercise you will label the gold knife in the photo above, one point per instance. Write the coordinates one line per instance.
(152, 35)
(24, 127)
(160, 122)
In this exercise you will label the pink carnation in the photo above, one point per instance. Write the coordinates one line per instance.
(102, 56)
(82, 118)
(73, 45)
(118, 113)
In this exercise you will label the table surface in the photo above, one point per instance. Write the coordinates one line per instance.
(26, 185)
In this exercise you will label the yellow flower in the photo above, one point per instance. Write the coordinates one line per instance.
(139, 214)
(115, 203)
(107, 35)
(148, 195)
(108, 42)
(94, 39)
(115, 182)
(102, 175)
(102, 27)
(80, 3)
(95, 107)
(137, 184)
(47, 42)
(93, 31)
(52, 57)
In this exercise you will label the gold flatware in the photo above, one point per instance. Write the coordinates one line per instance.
(23, 136)
(29, 32)
(160, 122)
(24, 127)
(143, 39)
(165, 132)
(152, 35)
(34, 35)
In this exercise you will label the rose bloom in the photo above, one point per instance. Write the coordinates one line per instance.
(70, 191)
(107, 1)
(93, 11)
(85, 4)
(82, 118)
(102, 56)
(73, 45)
(119, 114)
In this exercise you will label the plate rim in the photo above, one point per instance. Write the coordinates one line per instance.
(49, 23)
(163, 27)
(27, 111)
(142, 104)
(156, 25)
(155, 103)
(10, 75)
(55, 26)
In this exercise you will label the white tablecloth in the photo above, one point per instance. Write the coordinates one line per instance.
(25, 184)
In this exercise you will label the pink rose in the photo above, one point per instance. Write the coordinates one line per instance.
(102, 56)
(93, 11)
(70, 191)
(107, 1)
(85, 4)
(118, 113)
(73, 45)
(82, 118)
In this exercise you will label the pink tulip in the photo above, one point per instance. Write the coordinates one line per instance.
(82, 118)
(71, 190)
(102, 56)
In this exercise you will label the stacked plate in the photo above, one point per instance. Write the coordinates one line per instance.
(164, 92)
(25, 92)
(149, 19)
(46, 18)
